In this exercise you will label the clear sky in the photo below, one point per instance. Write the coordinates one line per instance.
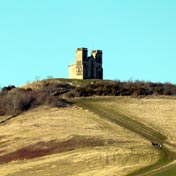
(38, 38)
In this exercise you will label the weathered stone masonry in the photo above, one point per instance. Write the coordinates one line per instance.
(87, 67)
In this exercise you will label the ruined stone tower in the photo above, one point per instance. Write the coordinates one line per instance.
(87, 67)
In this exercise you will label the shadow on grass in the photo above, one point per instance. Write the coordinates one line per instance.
(51, 147)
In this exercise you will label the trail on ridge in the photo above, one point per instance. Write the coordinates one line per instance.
(167, 156)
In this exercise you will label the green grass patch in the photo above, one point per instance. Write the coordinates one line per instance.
(169, 171)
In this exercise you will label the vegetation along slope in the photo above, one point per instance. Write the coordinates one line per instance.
(91, 127)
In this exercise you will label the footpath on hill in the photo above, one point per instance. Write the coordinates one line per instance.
(163, 167)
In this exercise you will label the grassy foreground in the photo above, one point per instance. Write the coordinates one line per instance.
(152, 118)
(100, 136)
(70, 141)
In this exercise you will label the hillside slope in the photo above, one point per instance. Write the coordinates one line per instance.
(153, 118)
(70, 141)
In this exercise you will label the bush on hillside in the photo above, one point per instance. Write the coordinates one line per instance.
(18, 100)
(53, 88)
(117, 88)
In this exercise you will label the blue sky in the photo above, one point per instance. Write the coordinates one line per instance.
(38, 38)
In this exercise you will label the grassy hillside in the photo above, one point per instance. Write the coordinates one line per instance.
(105, 87)
(70, 141)
(49, 128)
(155, 120)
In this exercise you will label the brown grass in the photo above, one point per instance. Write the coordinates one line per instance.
(157, 112)
(70, 141)
(45, 148)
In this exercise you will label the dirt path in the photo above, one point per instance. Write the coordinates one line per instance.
(167, 156)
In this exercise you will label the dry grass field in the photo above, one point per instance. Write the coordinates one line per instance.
(95, 136)
(70, 141)
(158, 113)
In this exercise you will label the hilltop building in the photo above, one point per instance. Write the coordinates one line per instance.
(87, 67)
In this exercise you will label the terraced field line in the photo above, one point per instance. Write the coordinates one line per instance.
(146, 132)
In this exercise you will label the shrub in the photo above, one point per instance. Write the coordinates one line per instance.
(124, 89)
(20, 100)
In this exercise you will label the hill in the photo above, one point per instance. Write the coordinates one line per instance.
(100, 135)
(70, 141)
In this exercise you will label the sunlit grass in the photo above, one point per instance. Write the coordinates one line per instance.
(157, 113)
(125, 153)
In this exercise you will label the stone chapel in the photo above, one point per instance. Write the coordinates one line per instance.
(87, 67)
